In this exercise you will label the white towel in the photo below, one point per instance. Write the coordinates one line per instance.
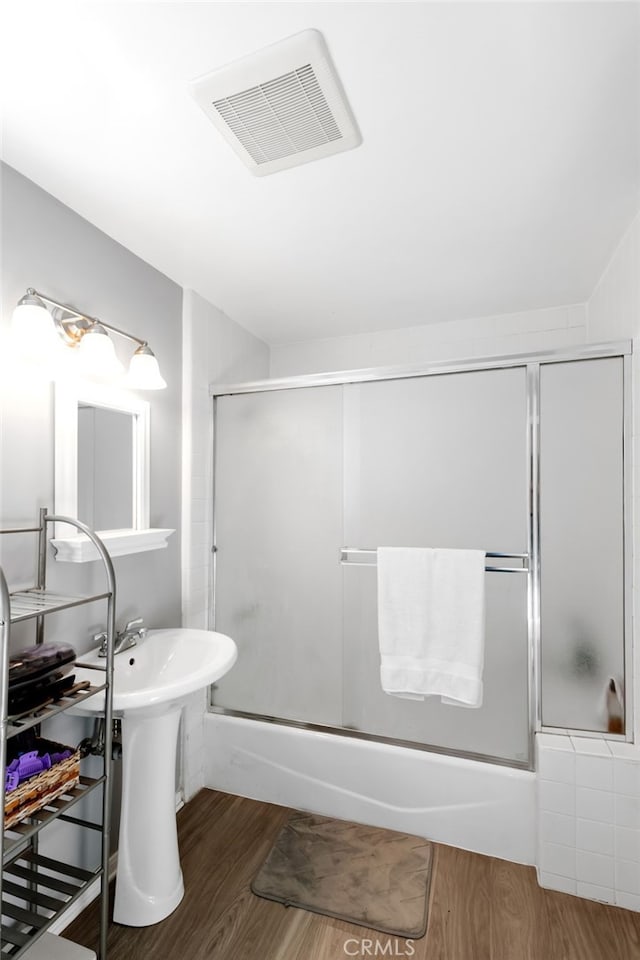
(431, 623)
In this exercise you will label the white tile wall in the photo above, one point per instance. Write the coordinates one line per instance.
(627, 811)
(628, 876)
(594, 836)
(594, 868)
(629, 901)
(589, 747)
(214, 349)
(589, 818)
(557, 766)
(557, 797)
(553, 881)
(626, 777)
(594, 804)
(626, 843)
(590, 770)
(593, 891)
(558, 827)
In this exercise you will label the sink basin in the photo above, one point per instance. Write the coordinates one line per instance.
(161, 669)
(150, 682)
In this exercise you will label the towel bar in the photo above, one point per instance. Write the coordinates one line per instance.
(367, 558)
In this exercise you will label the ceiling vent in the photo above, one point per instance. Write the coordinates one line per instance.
(281, 106)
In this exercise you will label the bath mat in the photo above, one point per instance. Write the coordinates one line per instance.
(365, 875)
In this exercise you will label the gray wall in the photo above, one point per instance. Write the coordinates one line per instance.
(48, 246)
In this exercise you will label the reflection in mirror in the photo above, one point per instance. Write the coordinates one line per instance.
(105, 467)
(102, 438)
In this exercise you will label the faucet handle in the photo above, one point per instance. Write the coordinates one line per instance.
(100, 638)
(133, 623)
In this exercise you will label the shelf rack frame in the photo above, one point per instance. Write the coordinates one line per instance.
(21, 844)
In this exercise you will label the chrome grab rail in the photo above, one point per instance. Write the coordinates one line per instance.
(367, 558)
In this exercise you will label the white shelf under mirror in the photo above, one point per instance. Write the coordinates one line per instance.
(119, 543)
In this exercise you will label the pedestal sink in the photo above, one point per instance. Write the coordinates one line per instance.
(150, 682)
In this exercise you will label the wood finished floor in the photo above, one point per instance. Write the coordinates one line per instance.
(481, 908)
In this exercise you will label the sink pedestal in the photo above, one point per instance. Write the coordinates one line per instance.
(149, 881)
(150, 682)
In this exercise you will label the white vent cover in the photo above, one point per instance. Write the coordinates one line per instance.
(280, 107)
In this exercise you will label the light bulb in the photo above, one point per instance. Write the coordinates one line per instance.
(32, 330)
(97, 355)
(144, 372)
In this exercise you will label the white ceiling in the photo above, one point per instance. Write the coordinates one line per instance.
(500, 162)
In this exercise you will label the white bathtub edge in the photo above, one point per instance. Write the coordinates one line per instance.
(477, 806)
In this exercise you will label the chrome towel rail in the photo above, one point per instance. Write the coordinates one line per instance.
(368, 557)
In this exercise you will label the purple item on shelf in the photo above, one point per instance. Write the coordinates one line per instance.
(28, 764)
(10, 781)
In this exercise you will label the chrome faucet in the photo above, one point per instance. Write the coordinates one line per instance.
(126, 638)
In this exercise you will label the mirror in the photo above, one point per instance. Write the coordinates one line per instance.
(102, 470)
(105, 467)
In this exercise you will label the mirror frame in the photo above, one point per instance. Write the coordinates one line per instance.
(140, 537)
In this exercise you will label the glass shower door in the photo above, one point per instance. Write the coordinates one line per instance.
(278, 491)
(435, 461)
(582, 544)
(439, 461)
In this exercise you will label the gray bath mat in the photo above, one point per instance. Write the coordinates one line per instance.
(365, 875)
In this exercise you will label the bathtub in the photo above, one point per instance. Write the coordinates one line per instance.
(478, 806)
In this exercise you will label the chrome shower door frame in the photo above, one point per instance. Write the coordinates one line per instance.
(532, 364)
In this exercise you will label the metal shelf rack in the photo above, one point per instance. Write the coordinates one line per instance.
(48, 887)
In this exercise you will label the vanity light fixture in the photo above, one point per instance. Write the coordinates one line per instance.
(97, 354)
(144, 372)
(33, 332)
(41, 326)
